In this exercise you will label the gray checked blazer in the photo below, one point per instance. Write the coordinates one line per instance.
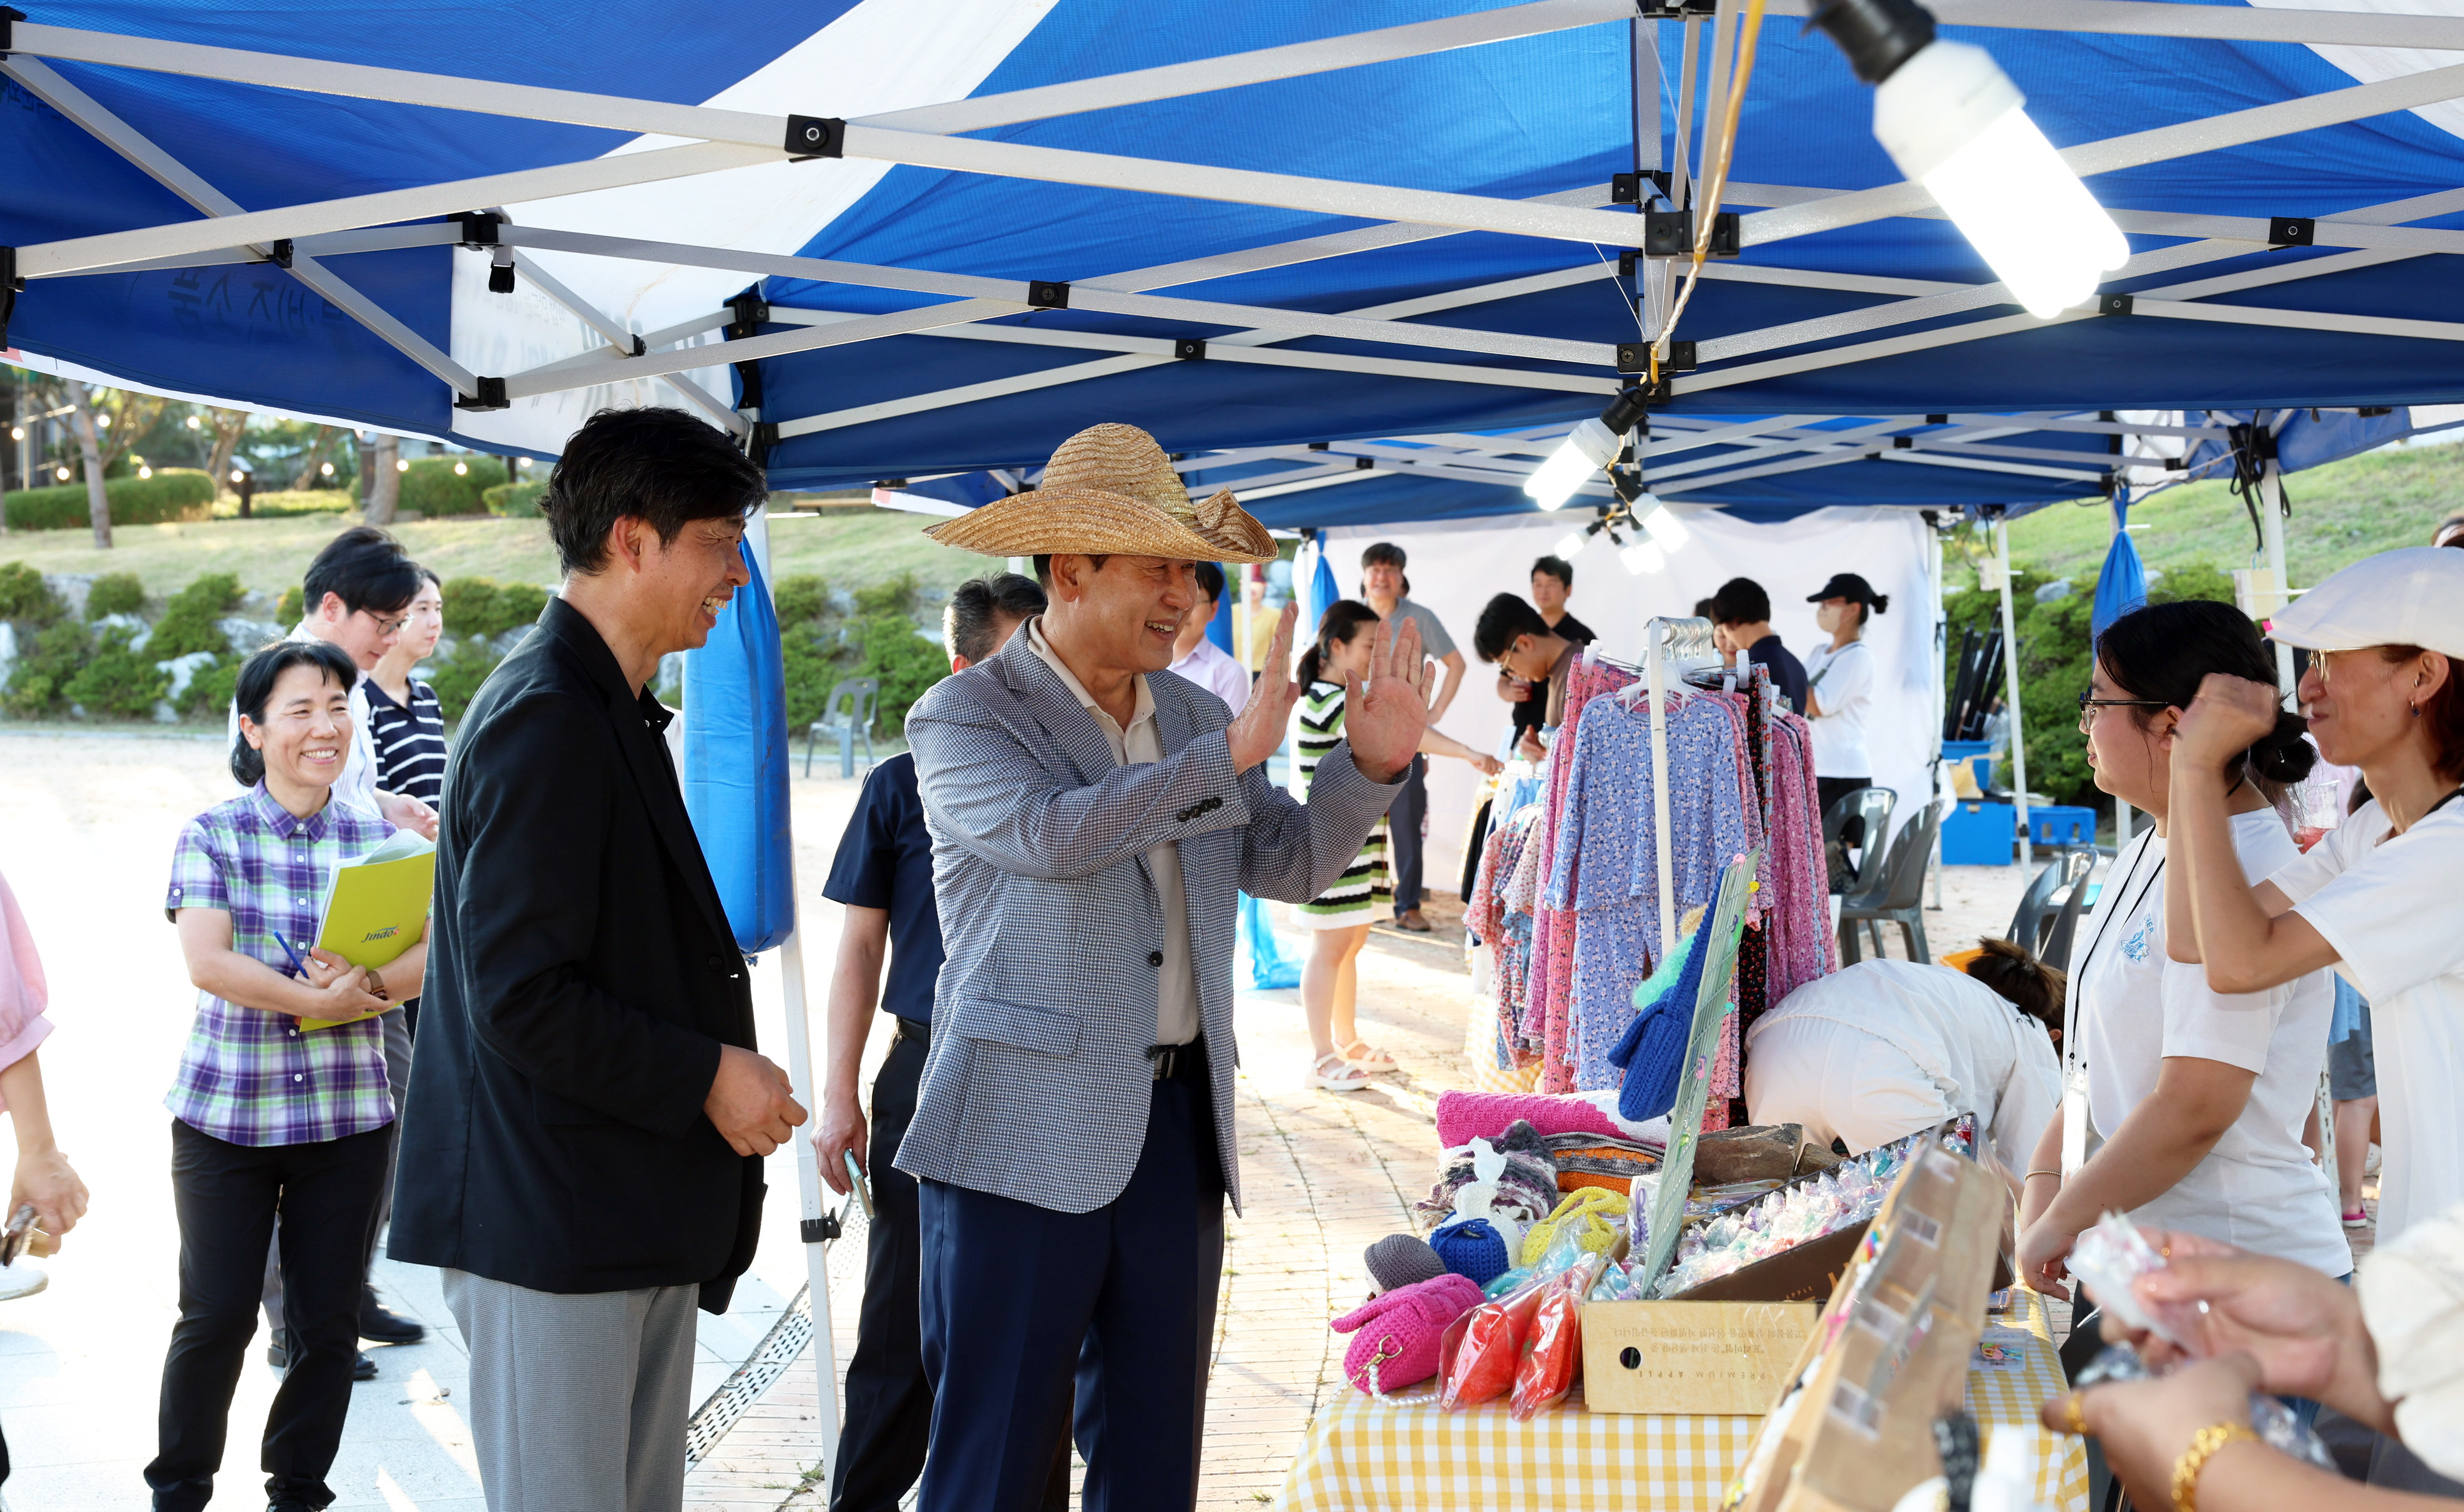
(1037, 1083)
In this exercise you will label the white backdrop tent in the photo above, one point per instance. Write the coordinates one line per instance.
(1456, 567)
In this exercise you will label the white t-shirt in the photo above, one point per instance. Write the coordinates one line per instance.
(358, 783)
(1207, 666)
(2256, 1187)
(2391, 911)
(1960, 1039)
(1842, 682)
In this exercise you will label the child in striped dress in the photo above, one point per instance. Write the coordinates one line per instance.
(1339, 918)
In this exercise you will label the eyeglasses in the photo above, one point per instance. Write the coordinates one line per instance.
(387, 626)
(2089, 703)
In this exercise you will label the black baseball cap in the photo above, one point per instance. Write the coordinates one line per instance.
(1844, 585)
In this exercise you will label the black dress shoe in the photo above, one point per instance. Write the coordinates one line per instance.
(384, 1325)
(277, 1354)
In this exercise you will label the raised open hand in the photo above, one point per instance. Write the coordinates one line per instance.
(1384, 722)
(1257, 730)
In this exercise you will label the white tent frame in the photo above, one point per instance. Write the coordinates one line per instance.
(716, 140)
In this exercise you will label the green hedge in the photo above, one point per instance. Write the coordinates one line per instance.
(431, 486)
(114, 593)
(515, 501)
(483, 609)
(172, 492)
(24, 595)
(120, 680)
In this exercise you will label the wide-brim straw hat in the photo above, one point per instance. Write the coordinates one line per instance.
(1111, 491)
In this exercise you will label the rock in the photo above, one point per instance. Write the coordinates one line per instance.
(7, 651)
(2055, 592)
(246, 635)
(137, 627)
(182, 671)
(164, 714)
(72, 587)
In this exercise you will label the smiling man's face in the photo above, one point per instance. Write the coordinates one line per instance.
(690, 579)
(1129, 613)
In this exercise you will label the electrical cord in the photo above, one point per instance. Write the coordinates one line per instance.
(1715, 181)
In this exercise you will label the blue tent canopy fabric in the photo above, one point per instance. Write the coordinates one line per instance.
(735, 766)
(2122, 583)
(1800, 323)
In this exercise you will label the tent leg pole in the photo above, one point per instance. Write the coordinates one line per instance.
(2010, 697)
(1941, 698)
(2271, 533)
(808, 1190)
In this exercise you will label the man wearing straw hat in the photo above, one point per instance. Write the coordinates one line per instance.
(1093, 819)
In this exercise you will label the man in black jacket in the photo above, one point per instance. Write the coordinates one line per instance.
(582, 1152)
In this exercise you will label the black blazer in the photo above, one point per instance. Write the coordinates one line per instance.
(581, 980)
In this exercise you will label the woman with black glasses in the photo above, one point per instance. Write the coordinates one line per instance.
(2199, 1094)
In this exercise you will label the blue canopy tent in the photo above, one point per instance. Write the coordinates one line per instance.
(953, 217)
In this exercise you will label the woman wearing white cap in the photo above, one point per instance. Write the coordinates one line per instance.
(2376, 898)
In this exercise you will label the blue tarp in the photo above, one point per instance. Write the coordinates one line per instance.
(1534, 116)
(2122, 583)
(735, 766)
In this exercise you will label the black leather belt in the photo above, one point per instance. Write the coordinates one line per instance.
(919, 1030)
(1182, 1062)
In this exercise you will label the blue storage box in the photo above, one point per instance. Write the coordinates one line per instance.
(2061, 824)
(1976, 833)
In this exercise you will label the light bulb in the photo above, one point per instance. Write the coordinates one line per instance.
(1954, 122)
(235, 474)
(326, 471)
(1665, 527)
(461, 468)
(145, 471)
(522, 462)
(401, 464)
(1572, 546)
(62, 472)
(1587, 448)
(1641, 557)
(102, 420)
(192, 422)
(16, 433)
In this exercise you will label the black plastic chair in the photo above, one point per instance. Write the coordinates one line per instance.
(1857, 820)
(2049, 909)
(1898, 899)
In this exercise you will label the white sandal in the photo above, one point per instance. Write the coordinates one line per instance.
(1342, 1077)
(1368, 1057)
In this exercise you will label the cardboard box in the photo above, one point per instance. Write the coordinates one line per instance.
(1688, 1357)
(1804, 1274)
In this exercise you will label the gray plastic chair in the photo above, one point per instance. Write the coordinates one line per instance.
(1860, 819)
(2049, 909)
(849, 717)
(1899, 898)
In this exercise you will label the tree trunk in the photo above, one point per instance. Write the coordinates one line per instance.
(384, 495)
(317, 451)
(97, 502)
(228, 427)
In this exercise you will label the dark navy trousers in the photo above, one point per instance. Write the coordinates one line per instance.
(1024, 1307)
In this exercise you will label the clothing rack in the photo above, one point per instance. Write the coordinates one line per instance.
(1682, 648)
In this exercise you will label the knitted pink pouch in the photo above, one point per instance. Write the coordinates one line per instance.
(1395, 1335)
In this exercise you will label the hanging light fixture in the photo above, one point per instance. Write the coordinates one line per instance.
(1588, 448)
(1667, 530)
(1572, 543)
(1641, 557)
(1954, 122)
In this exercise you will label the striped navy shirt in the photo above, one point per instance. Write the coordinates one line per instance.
(410, 742)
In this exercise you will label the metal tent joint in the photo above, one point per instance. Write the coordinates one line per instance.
(1189, 349)
(2292, 230)
(1670, 233)
(1046, 295)
(491, 396)
(8, 16)
(1626, 189)
(479, 229)
(824, 1230)
(2113, 304)
(9, 283)
(1635, 357)
(812, 137)
(752, 312)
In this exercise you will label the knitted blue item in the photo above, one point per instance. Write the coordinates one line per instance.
(1653, 1051)
(1471, 1248)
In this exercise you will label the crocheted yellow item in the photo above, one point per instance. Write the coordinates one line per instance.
(1595, 1213)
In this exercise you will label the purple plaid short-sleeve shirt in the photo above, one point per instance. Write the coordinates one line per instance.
(247, 1076)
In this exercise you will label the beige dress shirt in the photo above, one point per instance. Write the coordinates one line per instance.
(1139, 746)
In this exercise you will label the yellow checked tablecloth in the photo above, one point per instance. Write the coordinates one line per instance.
(1404, 1454)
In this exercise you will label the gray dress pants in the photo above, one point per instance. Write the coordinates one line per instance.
(578, 1401)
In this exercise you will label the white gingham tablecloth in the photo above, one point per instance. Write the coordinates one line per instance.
(1403, 1454)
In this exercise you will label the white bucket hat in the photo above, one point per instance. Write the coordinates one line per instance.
(2408, 597)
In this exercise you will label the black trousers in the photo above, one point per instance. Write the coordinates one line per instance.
(227, 1196)
(1404, 817)
(1114, 1308)
(888, 1397)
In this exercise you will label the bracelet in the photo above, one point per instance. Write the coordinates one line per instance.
(2204, 1445)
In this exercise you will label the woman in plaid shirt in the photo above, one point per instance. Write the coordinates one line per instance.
(265, 1113)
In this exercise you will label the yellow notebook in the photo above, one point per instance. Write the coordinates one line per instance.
(376, 905)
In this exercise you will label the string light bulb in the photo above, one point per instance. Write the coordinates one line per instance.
(145, 471)
(1663, 525)
(1588, 448)
(461, 468)
(402, 464)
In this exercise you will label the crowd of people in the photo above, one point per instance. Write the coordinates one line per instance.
(554, 1099)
